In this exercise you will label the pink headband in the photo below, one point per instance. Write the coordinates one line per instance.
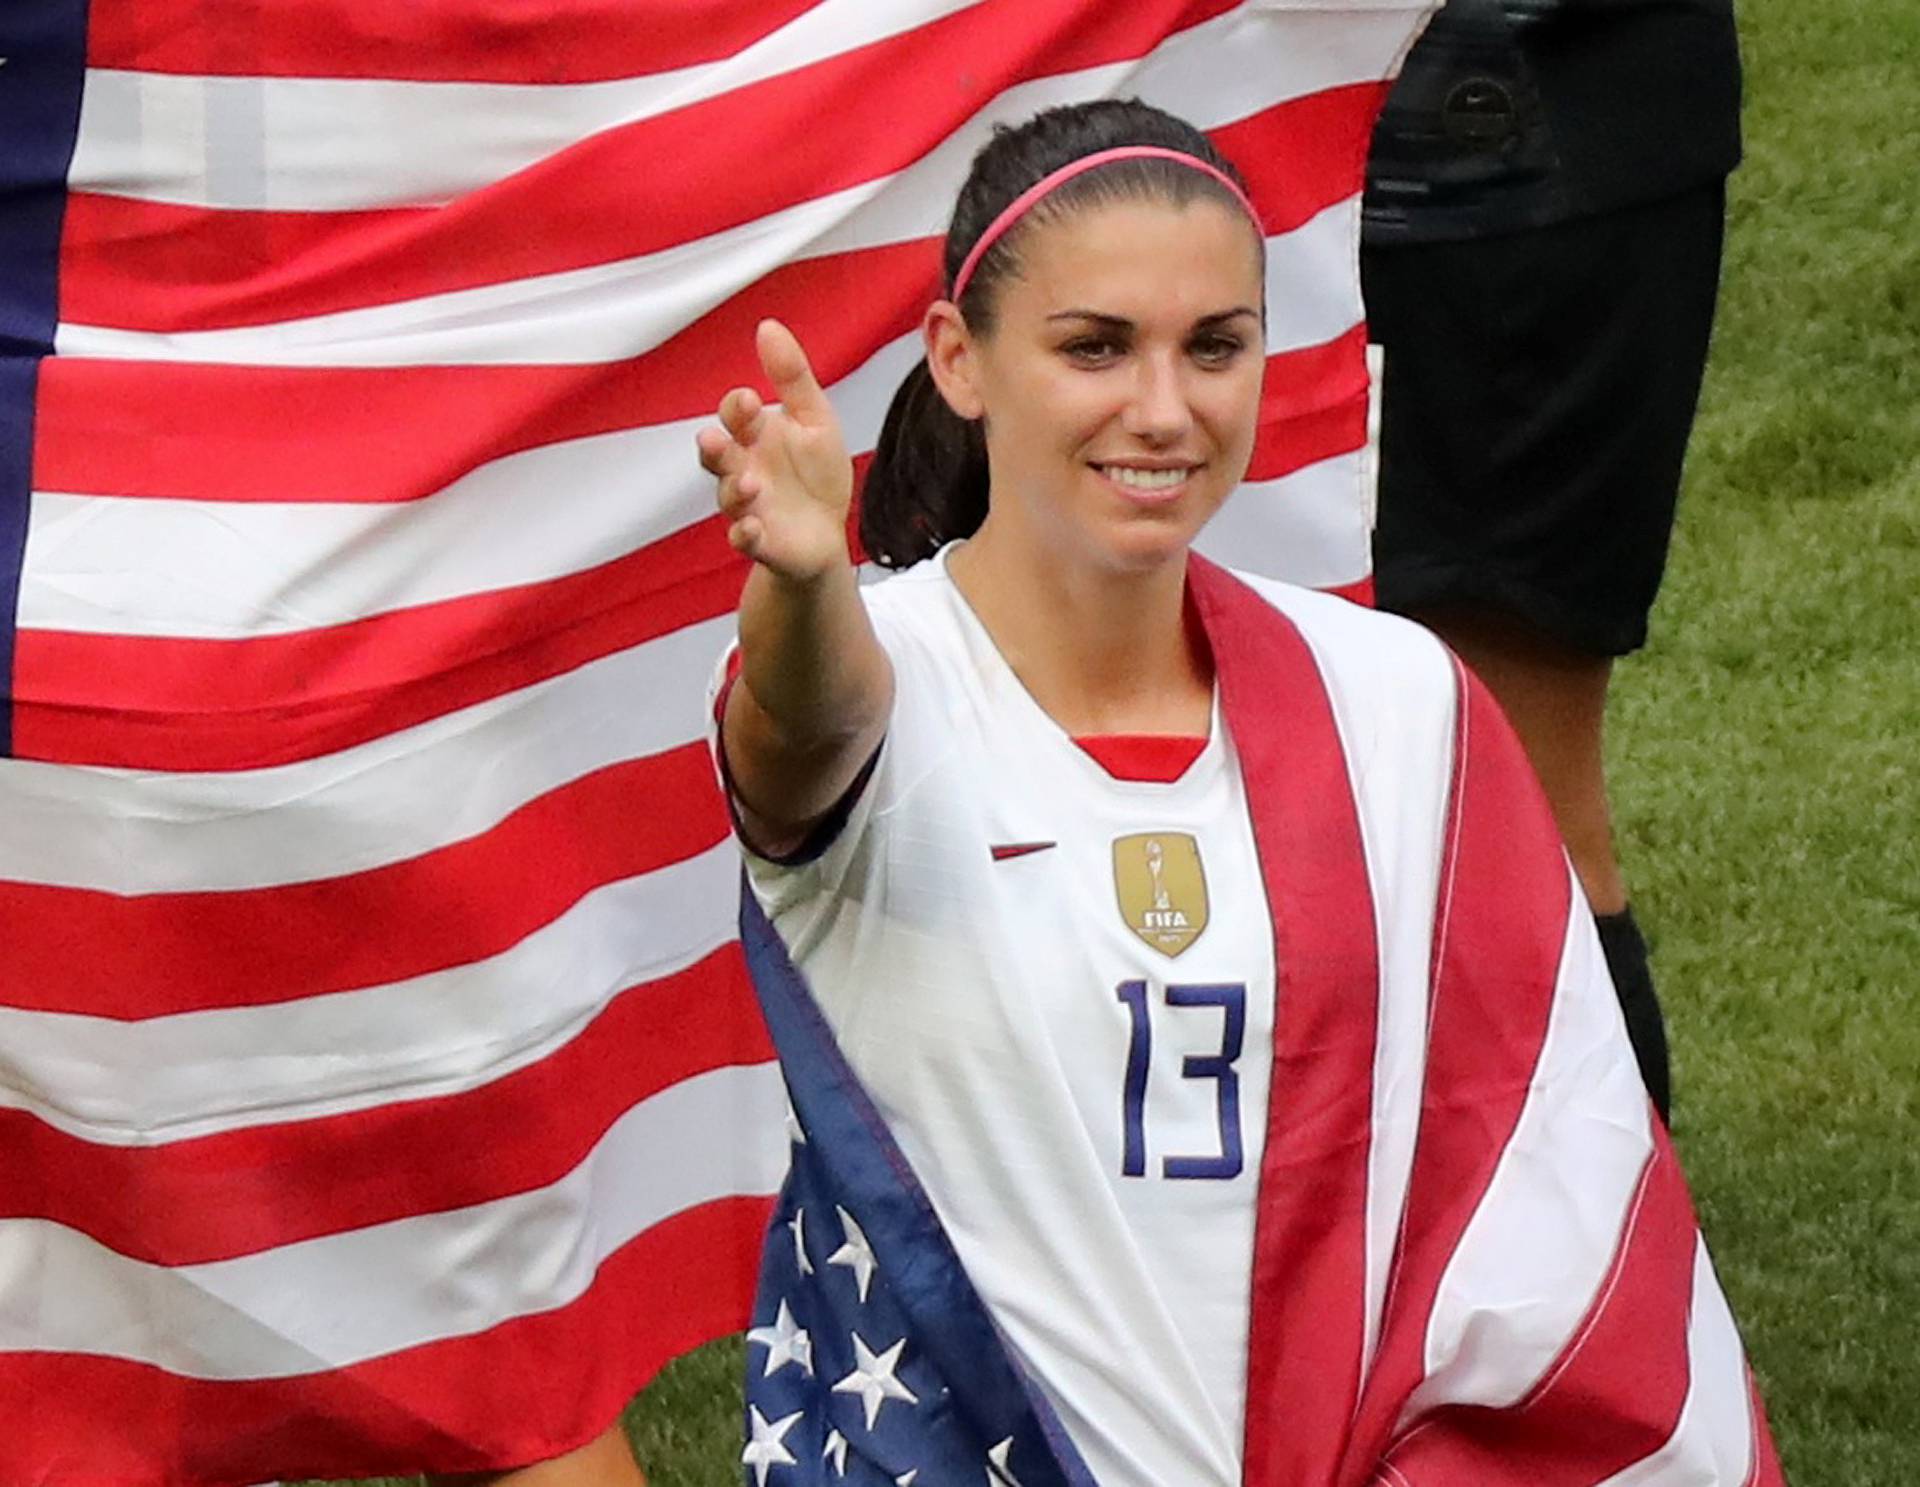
(1024, 202)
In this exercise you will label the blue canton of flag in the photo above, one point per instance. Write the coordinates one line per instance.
(871, 1359)
(42, 63)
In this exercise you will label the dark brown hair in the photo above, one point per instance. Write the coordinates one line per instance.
(928, 481)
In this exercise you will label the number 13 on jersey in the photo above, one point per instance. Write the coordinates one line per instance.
(1229, 1001)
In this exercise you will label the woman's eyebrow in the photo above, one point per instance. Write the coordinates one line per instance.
(1112, 322)
(1222, 316)
(1120, 322)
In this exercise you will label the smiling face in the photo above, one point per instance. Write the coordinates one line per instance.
(1119, 382)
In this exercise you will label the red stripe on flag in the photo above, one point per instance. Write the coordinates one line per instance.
(242, 433)
(1505, 900)
(144, 702)
(1290, 444)
(427, 40)
(1316, 379)
(1309, 1262)
(641, 188)
(217, 433)
(513, 1393)
(95, 954)
(1313, 406)
(220, 1196)
(1614, 1398)
(1287, 153)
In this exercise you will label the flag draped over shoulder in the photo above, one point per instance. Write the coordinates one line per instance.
(1476, 1263)
(379, 1088)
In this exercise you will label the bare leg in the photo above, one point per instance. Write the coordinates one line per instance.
(1556, 699)
(605, 1461)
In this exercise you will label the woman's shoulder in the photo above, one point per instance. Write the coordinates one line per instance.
(1358, 643)
(914, 607)
(905, 590)
(1394, 691)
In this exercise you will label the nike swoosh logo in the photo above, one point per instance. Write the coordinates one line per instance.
(1018, 849)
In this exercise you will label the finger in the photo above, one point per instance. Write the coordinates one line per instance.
(740, 414)
(791, 374)
(719, 454)
(737, 492)
(744, 535)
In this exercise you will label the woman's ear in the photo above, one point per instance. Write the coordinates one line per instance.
(952, 358)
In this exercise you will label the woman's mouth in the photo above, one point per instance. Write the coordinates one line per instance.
(1149, 483)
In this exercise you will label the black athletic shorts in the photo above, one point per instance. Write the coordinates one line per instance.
(1539, 388)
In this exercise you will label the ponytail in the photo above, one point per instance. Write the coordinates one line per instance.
(927, 485)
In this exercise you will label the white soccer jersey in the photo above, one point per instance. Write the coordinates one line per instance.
(1476, 1258)
(1058, 987)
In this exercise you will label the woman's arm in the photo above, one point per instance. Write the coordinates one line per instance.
(815, 687)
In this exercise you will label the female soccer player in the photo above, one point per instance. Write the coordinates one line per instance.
(1204, 1070)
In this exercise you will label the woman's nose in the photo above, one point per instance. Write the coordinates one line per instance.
(1158, 411)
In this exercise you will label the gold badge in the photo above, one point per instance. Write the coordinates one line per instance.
(1162, 888)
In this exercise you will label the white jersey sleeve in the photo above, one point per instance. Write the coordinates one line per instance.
(803, 893)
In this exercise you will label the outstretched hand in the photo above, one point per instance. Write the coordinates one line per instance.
(785, 479)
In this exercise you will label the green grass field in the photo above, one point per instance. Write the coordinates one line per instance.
(1767, 745)
(1766, 762)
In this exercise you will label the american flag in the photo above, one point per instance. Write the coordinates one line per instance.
(1475, 1261)
(378, 1085)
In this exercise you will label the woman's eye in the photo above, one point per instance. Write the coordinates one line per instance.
(1091, 350)
(1217, 350)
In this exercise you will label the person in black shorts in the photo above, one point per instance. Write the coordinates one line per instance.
(1541, 252)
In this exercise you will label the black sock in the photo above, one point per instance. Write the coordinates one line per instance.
(1626, 954)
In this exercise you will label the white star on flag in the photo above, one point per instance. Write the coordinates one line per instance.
(785, 1343)
(872, 1378)
(999, 1474)
(798, 1224)
(795, 1133)
(856, 1254)
(907, 1479)
(836, 1451)
(764, 1452)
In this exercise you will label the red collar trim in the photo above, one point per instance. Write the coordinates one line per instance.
(1147, 758)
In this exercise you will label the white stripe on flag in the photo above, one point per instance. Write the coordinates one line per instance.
(193, 1074)
(344, 1298)
(614, 311)
(141, 831)
(1313, 293)
(339, 144)
(1415, 729)
(113, 565)
(225, 570)
(320, 145)
(1712, 1443)
(1507, 1305)
(607, 313)
(1306, 527)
